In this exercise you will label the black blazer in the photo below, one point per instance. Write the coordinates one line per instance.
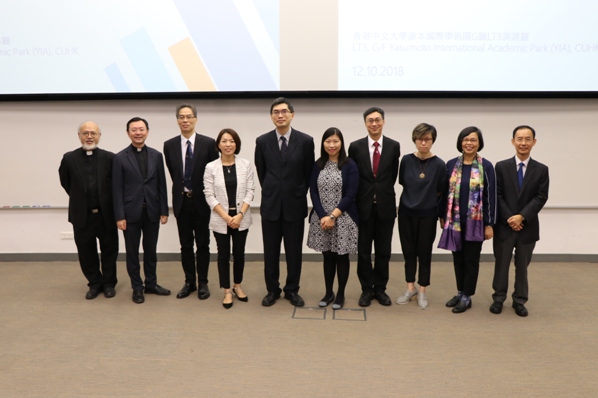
(382, 186)
(528, 202)
(73, 179)
(129, 190)
(203, 153)
(284, 184)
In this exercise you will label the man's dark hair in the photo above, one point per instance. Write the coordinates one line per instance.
(371, 110)
(282, 100)
(138, 119)
(523, 127)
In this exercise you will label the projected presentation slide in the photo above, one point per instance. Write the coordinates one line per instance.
(134, 46)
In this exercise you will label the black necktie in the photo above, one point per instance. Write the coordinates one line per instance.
(283, 147)
(520, 174)
(188, 165)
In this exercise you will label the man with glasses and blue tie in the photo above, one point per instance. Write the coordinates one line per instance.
(284, 159)
(186, 157)
(522, 191)
(86, 176)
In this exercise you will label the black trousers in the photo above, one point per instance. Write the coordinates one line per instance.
(417, 240)
(150, 259)
(503, 252)
(87, 249)
(194, 228)
(380, 233)
(273, 232)
(467, 266)
(223, 241)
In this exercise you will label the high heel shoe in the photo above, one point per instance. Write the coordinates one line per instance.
(227, 305)
(241, 298)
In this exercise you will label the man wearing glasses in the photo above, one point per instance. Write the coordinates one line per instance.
(377, 159)
(186, 157)
(86, 176)
(284, 159)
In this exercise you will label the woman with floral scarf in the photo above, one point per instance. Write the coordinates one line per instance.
(470, 213)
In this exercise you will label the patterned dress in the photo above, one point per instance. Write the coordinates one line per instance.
(342, 239)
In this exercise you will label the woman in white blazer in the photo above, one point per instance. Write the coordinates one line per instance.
(229, 189)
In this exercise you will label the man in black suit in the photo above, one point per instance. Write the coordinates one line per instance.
(186, 157)
(522, 190)
(86, 176)
(377, 159)
(284, 159)
(140, 205)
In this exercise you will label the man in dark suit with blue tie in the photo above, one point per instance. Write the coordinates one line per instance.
(140, 205)
(284, 159)
(86, 176)
(522, 191)
(186, 157)
(377, 159)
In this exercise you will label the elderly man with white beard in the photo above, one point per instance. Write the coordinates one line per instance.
(86, 176)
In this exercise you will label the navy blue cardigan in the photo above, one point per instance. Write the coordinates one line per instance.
(350, 176)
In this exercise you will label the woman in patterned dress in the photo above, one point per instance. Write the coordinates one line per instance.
(333, 219)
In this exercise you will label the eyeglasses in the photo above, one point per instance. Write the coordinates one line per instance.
(282, 112)
(89, 133)
(378, 120)
(471, 140)
(422, 140)
(186, 117)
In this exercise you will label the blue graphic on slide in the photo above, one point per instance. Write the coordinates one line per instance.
(147, 63)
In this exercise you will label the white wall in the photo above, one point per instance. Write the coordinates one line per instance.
(34, 135)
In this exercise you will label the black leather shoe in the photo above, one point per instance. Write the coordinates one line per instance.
(453, 302)
(520, 309)
(383, 298)
(496, 307)
(461, 307)
(109, 292)
(159, 290)
(295, 299)
(92, 293)
(138, 296)
(186, 290)
(270, 299)
(366, 298)
(203, 292)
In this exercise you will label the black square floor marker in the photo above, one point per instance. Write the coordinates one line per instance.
(316, 313)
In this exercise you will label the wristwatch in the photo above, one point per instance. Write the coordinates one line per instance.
(332, 217)
(242, 213)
